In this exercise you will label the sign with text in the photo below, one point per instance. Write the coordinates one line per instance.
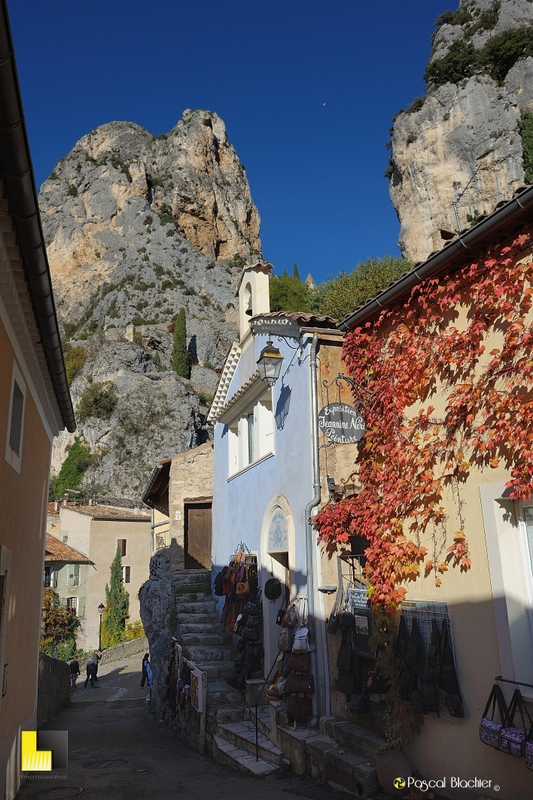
(341, 423)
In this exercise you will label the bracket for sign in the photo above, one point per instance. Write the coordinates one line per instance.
(351, 383)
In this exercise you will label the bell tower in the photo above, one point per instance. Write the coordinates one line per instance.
(254, 296)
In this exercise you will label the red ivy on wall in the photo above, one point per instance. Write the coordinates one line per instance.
(434, 346)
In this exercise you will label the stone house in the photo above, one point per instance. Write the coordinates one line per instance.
(35, 405)
(97, 532)
(67, 572)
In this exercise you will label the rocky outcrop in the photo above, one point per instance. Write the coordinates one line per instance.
(136, 228)
(461, 144)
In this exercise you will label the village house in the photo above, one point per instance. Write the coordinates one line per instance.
(443, 357)
(67, 572)
(35, 405)
(97, 532)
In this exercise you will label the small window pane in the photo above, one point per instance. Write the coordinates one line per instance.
(121, 546)
(17, 407)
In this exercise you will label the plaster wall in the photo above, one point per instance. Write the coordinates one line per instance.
(24, 497)
(240, 502)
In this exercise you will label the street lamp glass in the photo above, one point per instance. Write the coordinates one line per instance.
(269, 364)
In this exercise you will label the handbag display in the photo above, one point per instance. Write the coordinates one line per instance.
(528, 749)
(301, 640)
(253, 620)
(300, 707)
(346, 682)
(359, 703)
(299, 662)
(284, 640)
(250, 634)
(489, 729)
(345, 657)
(513, 739)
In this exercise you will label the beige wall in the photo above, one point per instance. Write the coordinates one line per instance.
(489, 621)
(23, 502)
(191, 477)
(97, 539)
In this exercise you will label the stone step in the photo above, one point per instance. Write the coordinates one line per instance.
(221, 693)
(331, 764)
(242, 734)
(201, 627)
(193, 597)
(225, 713)
(202, 655)
(226, 753)
(360, 740)
(202, 611)
(217, 669)
(192, 581)
(201, 639)
(263, 718)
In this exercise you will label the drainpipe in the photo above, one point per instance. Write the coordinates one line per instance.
(310, 548)
(152, 526)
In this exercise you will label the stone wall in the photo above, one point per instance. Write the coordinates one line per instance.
(54, 687)
(126, 650)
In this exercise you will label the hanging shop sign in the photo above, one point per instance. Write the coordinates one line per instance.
(275, 326)
(341, 423)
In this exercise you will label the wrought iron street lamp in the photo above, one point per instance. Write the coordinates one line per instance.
(101, 609)
(269, 364)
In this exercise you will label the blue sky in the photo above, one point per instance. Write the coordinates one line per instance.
(307, 89)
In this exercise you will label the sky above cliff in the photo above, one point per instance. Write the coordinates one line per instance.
(307, 89)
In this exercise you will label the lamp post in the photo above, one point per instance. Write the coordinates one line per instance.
(269, 364)
(101, 609)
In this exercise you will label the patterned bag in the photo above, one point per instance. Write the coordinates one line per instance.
(489, 730)
(512, 739)
(528, 749)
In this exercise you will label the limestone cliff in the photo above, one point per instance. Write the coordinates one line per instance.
(136, 228)
(465, 134)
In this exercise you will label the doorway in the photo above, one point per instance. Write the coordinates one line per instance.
(198, 527)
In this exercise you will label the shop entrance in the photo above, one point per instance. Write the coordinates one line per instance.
(198, 535)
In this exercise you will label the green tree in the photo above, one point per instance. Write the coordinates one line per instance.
(116, 608)
(288, 293)
(73, 468)
(180, 361)
(341, 295)
(58, 626)
(525, 126)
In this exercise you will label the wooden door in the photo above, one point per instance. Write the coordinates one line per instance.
(198, 536)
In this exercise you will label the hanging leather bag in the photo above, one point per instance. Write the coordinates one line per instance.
(512, 738)
(300, 707)
(345, 655)
(528, 749)
(299, 662)
(489, 729)
(300, 683)
(250, 634)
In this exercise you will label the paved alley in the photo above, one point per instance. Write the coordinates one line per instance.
(119, 751)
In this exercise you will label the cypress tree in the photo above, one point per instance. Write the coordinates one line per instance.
(116, 610)
(180, 356)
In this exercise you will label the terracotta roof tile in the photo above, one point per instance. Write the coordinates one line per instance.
(59, 551)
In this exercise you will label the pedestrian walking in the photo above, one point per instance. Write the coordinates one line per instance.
(149, 681)
(74, 672)
(91, 672)
(97, 655)
(145, 663)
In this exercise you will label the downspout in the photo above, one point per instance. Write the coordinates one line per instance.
(310, 548)
(152, 526)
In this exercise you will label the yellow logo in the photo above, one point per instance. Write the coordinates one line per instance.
(43, 751)
(399, 783)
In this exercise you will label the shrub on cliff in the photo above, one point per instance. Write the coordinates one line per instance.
(98, 400)
(72, 470)
(180, 357)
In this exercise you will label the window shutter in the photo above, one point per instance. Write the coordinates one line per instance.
(62, 601)
(127, 576)
(81, 606)
(71, 576)
(54, 578)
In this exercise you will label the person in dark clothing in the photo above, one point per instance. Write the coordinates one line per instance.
(74, 672)
(96, 658)
(145, 663)
(91, 673)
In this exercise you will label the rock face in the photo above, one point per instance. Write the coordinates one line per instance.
(463, 136)
(136, 228)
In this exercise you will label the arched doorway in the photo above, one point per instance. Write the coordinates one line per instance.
(277, 561)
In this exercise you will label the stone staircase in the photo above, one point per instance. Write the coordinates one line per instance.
(340, 753)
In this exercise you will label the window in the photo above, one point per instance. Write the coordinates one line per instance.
(72, 604)
(126, 572)
(121, 546)
(251, 437)
(73, 575)
(15, 425)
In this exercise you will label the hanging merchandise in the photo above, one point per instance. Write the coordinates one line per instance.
(273, 589)
(299, 662)
(297, 683)
(513, 739)
(300, 707)
(248, 625)
(489, 729)
(448, 677)
(301, 640)
(528, 749)
(430, 682)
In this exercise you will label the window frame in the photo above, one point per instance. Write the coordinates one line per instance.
(250, 436)
(12, 456)
(126, 574)
(122, 546)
